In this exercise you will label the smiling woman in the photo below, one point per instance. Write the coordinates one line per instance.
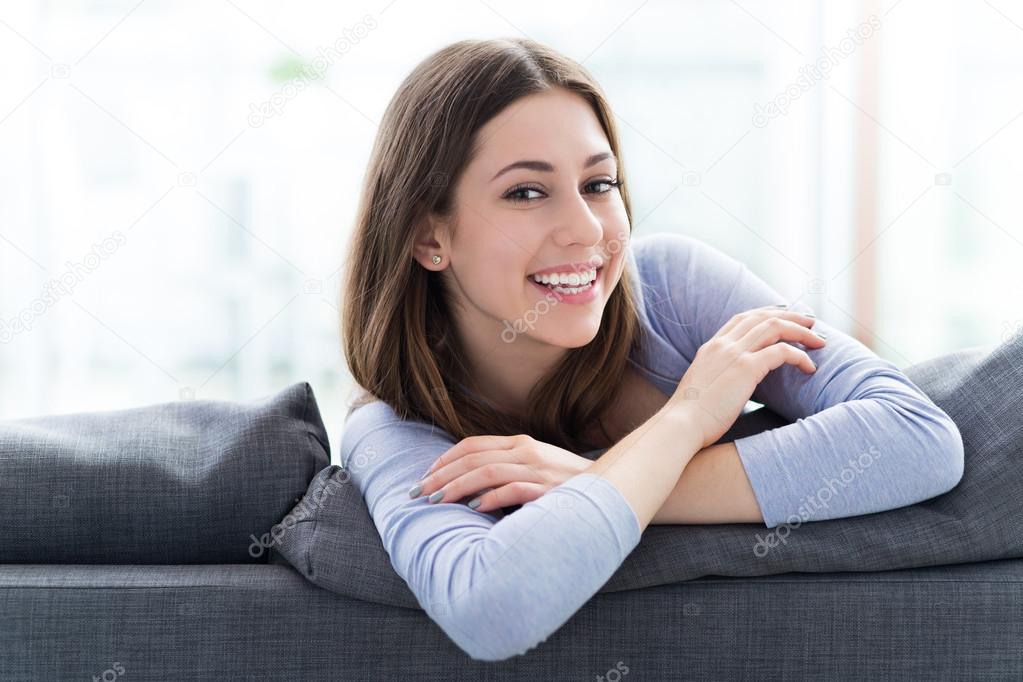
(503, 324)
(502, 159)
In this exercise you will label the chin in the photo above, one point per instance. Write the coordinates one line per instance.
(571, 338)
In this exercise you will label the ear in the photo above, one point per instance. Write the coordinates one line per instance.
(433, 239)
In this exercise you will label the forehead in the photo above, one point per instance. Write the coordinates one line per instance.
(557, 126)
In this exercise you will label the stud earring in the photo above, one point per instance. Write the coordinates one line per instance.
(436, 260)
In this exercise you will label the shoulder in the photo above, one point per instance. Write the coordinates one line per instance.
(662, 254)
(682, 283)
(377, 416)
(376, 428)
(683, 277)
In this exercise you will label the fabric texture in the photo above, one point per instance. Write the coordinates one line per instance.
(978, 520)
(440, 550)
(856, 407)
(184, 482)
(227, 623)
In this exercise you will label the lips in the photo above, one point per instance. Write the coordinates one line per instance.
(583, 266)
(531, 279)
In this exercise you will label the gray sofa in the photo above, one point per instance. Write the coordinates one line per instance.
(146, 544)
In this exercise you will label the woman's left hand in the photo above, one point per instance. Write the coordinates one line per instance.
(512, 470)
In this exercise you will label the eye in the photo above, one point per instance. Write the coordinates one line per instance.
(611, 184)
(511, 194)
(519, 193)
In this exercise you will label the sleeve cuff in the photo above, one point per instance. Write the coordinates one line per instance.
(761, 471)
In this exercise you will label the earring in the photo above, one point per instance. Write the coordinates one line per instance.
(436, 260)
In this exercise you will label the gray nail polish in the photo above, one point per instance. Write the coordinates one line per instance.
(415, 490)
(820, 334)
(474, 503)
(781, 305)
(811, 315)
(436, 497)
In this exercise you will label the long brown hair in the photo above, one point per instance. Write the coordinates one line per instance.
(397, 332)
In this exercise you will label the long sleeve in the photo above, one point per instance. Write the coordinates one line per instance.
(496, 585)
(864, 438)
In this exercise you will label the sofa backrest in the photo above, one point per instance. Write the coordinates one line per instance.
(188, 482)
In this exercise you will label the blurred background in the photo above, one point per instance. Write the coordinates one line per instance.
(177, 190)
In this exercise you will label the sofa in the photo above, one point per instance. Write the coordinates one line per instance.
(149, 544)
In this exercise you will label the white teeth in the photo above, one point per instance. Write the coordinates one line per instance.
(570, 278)
(571, 290)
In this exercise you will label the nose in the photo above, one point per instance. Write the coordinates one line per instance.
(576, 223)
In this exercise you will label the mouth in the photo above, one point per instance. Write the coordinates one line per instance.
(579, 284)
(583, 291)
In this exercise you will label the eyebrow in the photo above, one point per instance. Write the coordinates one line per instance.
(548, 168)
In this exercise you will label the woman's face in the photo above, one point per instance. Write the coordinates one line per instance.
(537, 197)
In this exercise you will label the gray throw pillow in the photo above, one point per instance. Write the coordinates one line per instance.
(980, 388)
(189, 482)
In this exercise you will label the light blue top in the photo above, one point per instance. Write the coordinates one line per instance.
(864, 439)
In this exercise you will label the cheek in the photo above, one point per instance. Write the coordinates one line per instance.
(616, 221)
(492, 274)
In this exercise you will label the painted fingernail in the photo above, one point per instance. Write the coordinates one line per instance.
(436, 497)
(415, 490)
(474, 503)
(810, 315)
(424, 475)
(781, 305)
(820, 334)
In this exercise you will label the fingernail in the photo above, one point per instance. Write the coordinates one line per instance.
(781, 305)
(475, 503)
(424, 475)
(820, 334)
(810, 315)
(436, 497)
(415, 490)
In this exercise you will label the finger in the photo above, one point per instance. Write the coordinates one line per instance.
(460, 466)
(773, 329)
(738, 317)
(747, 322)
(471, 444)
(778, 354)
(512, 451)
(471, 482)
(512, 494)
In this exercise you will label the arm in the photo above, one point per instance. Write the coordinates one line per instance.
(713, 488)
(475, 574)
(863, 437)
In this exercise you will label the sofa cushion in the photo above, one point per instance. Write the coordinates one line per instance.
(186, 482)
(980, 388)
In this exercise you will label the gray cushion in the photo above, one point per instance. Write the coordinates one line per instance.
(185, 482)
(266, 623)
(980, 388)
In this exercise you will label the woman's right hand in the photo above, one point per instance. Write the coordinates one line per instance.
(728, 368)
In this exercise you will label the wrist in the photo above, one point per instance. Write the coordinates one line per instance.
(690, 436)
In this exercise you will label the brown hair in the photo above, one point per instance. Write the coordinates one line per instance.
(396, 328)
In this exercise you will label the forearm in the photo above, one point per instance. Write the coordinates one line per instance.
(713, 488)
(646, 465)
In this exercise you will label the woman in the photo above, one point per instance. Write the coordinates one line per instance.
(497, 165)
